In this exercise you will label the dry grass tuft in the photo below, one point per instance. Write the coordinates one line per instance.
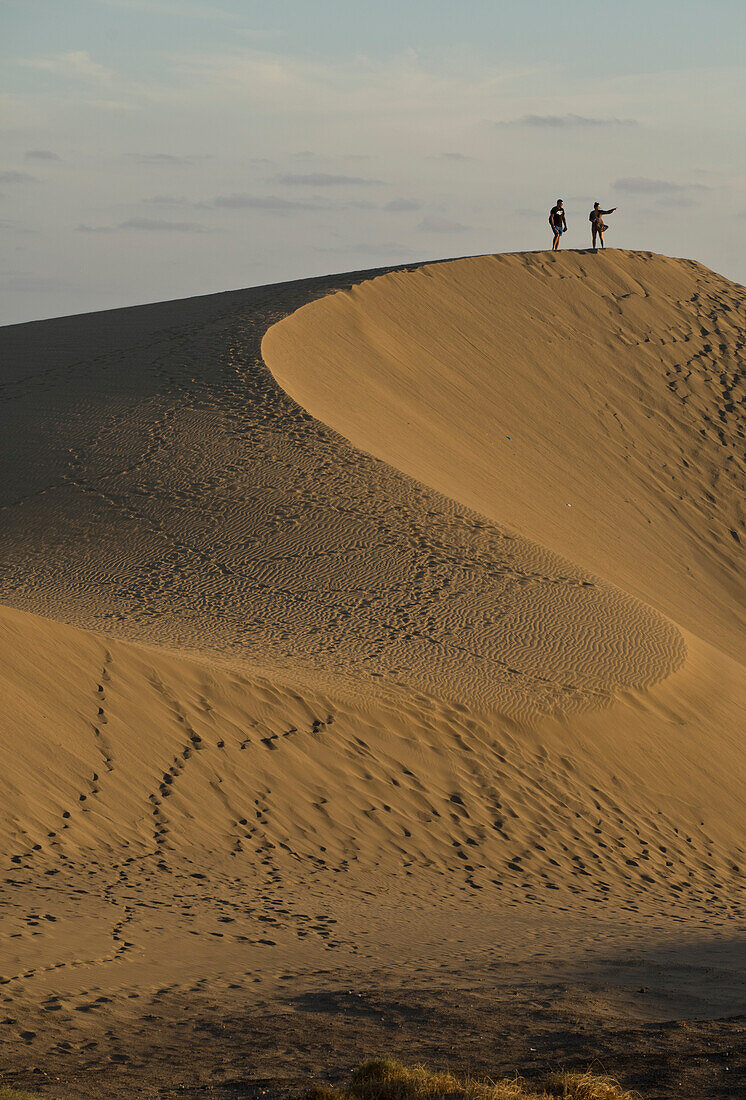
(386, 1080)
(585, 1086)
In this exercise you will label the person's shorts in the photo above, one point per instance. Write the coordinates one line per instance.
(558, 230)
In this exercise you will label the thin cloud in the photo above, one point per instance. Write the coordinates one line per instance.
(148, 225)
(684, 202)
(167, 200)
(399, 206)
(155, 225)
(273, 203)
(438, 224)
(357, 89)
(324, 179)
(309, 154)
(17, 177)
(8, 226)
(179, 8)
(450, 156)
(41, 154)
(570, 120)
(642, 185)
(168, 158)
(385, 248)
(75, 64)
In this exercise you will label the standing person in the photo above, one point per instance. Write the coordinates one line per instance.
(597, 224)
(558, 223)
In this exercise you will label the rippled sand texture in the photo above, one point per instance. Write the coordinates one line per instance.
(593, 403)
(181, 498)
(451, 629)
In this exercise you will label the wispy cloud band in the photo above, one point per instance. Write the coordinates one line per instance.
(556, 122)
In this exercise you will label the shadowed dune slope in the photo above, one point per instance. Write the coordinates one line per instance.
(252, 675)
(593, 403)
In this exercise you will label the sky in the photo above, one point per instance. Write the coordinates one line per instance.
(159, 149)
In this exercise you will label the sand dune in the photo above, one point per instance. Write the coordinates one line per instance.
(442, 630)
(594, 405)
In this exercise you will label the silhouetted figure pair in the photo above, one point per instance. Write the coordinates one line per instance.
(558, 222)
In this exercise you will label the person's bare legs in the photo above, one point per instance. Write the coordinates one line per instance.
(593, 234)
(556, 241)
(601, 238)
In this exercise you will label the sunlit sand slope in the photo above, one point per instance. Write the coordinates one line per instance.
(115, 751)
(594, 403)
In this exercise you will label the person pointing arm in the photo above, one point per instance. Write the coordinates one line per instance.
(597, 225)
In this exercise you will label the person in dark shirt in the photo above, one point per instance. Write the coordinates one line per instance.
(597, 223)
(558, 223)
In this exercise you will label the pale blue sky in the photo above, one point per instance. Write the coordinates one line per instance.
(154, 149)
